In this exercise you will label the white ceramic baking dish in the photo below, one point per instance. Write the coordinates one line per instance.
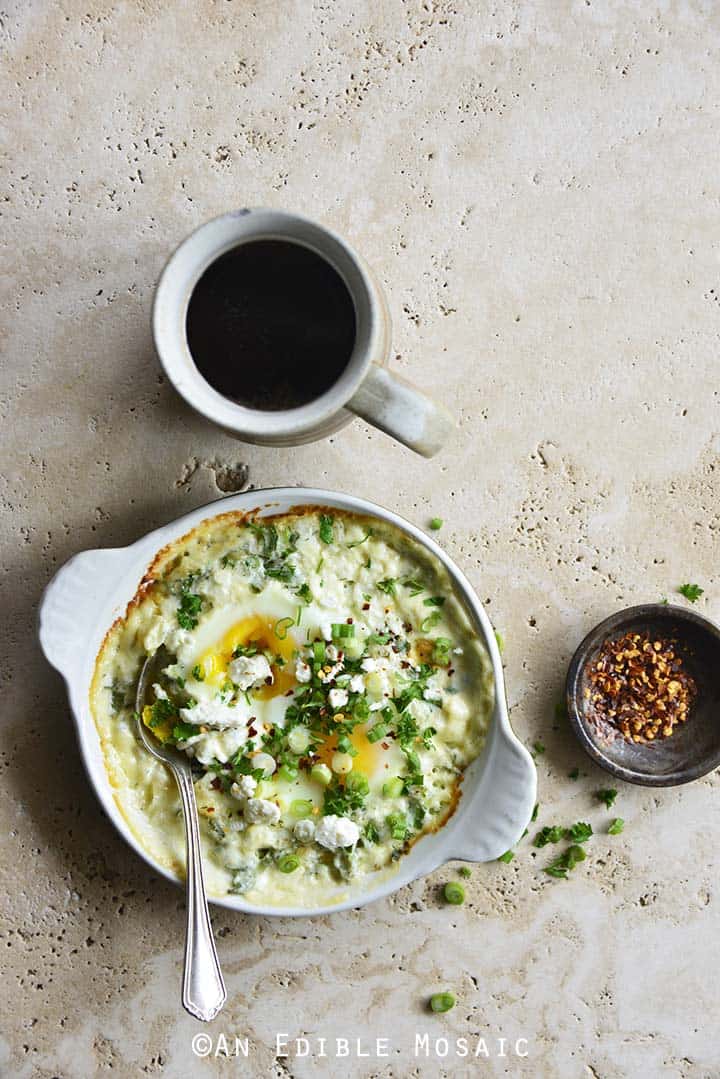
(92, 590)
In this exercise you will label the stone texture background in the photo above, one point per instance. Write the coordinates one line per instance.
(536, 183)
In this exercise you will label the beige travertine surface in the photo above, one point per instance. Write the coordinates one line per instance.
(537, 186)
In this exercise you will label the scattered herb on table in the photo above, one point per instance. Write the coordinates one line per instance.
(579, 833)
(538, 748)
(507, 856)
(436, 523)
(607, 795)
(691, 592)
(566, 862)
(616, 826)
(442, 1002)
(465, 871)
(500, 641)
(454, 893)
(549, 834)
(575, 774)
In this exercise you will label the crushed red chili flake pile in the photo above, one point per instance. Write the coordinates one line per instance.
(639, 685)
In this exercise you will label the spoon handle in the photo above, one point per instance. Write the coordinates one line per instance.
(204, 992)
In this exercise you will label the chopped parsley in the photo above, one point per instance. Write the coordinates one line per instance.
(579, 833)
(607, 796)
(507, 856)
(387, 586)
(198, 673)
(326, 528)
(160, 710)
(415, 587)
(434, 601)
(190, 605)
(566, 861)
(691, 592)
(549, 834)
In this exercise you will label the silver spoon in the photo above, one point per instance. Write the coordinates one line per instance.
(203, 991)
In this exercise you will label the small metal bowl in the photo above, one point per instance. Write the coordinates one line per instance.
(693, 749)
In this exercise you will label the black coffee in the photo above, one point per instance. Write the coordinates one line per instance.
(271, 325)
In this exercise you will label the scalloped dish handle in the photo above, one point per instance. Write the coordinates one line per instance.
(502, 803)
(71, 605)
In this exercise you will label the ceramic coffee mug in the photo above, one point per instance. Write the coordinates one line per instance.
(365, 387)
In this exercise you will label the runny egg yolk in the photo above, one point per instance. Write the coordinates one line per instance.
(258, 631)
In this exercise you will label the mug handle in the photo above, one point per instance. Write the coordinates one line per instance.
(393, 405)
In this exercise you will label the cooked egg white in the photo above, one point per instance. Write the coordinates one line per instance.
(326, 685)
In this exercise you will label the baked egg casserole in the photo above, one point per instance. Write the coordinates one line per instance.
(326, 685)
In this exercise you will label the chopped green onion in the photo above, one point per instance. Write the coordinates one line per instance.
(434, 601)
(378, 638)
(454, 893)
(442, 1002)
(357, 783)
(507, 856)
(393, 788)
(288, 772)
(298, 739)
(301, 807)
(376, 733)
(431, 620)
(288, 863)
(281, 627)
(320, 773)
(342, 630)
(319, 651)
(442, 648)
(616, 826)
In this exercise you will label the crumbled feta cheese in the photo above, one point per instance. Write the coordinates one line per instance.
(432, 693)
(332, 653)
(160, 694)
(356, 684)
(334, 832)
(250, 671)
(304, 831)
(326, 631)
(215, 745)
(244, 788)
(214, 713)
(369, 664)
(337, 698)
(303, 673)
(261, 811)
(331, 675)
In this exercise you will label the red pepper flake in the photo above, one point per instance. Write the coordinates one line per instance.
(639, 685)
(366, 606)
(216, 784)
